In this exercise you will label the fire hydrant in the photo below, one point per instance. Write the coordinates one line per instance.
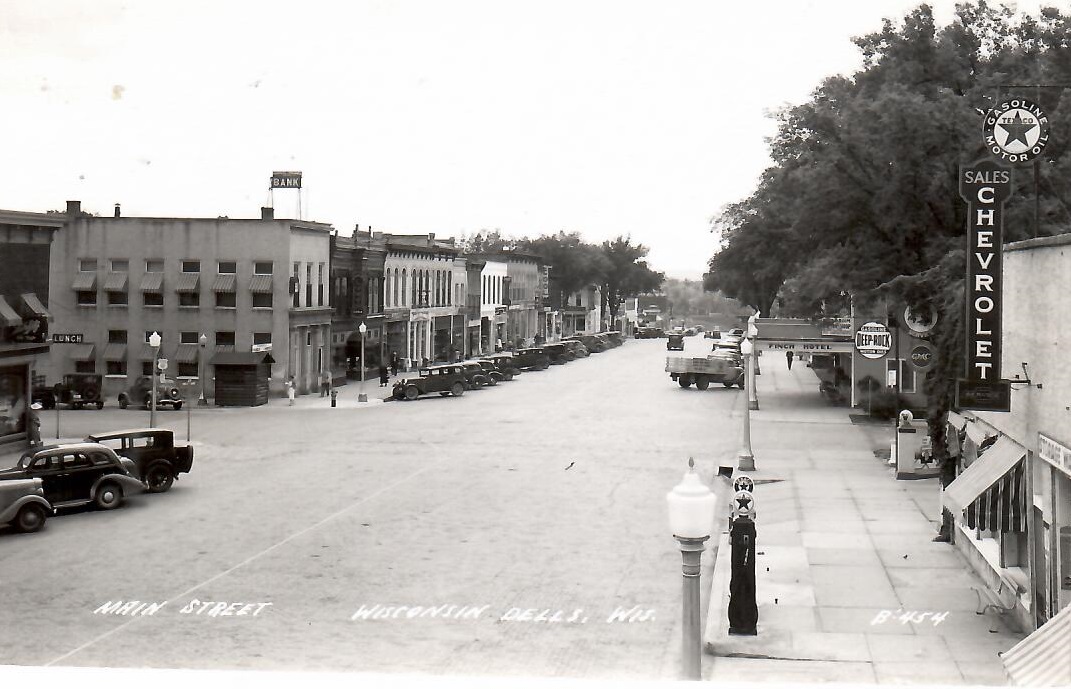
(334, 396)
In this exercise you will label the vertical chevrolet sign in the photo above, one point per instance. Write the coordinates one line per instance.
(985, 186)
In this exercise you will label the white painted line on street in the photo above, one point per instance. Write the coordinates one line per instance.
(249, 559)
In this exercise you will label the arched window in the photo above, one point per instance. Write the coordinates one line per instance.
(450, 287)
(402, 302)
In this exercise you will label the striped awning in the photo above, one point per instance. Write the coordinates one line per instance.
(33, 306)
(152, 282)
(975, 434)
(84, 281)
(187, 282)
(993, 489)
(81, 352)
(186, 353)
(260, 284)
(115, 351)
(115, 282)
(224, 282)
(1042, 659)
(8, 317)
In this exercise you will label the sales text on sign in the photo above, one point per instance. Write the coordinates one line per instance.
(984, 186)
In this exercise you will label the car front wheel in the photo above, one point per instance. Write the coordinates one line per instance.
(123, 402)
(412, 392)
(457, 389)
(109, 496)
(148, 401)
(178, 405)
(159, 479)
(31, 518)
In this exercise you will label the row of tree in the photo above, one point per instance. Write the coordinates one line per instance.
(862, 198)
(616, 266)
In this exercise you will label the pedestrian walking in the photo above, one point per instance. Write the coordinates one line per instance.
(383, 377)
(290, 390)
(33, 428)
(789, 355)
(394, 363)
(325, 383)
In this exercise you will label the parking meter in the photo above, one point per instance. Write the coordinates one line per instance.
(334, 395)
(743, 609)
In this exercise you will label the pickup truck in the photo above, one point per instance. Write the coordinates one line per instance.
(715, 368)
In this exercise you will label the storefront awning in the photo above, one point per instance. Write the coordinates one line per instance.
(260, 284)
(993, 465)
(975, 434)
(224, 283)
(33, 306)
(957, 420)
(8, 317)
(84, 282)
(186, 353)
(115, 282)
(152, 282)
(82, 352)
(187, 282)
(115, 351)
(242, 358)
(1042, 659)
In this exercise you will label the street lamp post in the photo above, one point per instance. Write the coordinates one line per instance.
(691, 515)
(154, 342)
(746, 458)
(752, 332)
(203, 341)
(362, 397)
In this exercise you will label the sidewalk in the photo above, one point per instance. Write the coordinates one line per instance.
(850, 586)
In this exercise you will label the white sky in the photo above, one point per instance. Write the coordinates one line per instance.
(607, 117)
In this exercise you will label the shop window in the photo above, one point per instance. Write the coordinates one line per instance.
(189, 299)
(153, 298)
(87, 366)
(262, 300)
(225, 300)
(87, 298)
(116, 368)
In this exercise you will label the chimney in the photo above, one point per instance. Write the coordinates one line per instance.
(431, 237)
(267, 213)
(74, 208)
(117, 210)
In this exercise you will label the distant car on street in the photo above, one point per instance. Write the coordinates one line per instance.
(615, 337)
(159, 461)
(593, 344)
(445, 380)
(475, 376)
(78, 390)
(23, 504)
(531, 359)
(505, 364)
(646, 333)
(167, 394)
(558, 353)
(78, 474)
(675, 342)
(577, 348)
(491, 371)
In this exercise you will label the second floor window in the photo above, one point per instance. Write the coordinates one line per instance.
(228, 267)
(116, 337)
(226, 300)
(224, 338)
(191, 266)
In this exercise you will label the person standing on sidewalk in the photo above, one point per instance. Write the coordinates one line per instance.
(383, 378)
(325, 383)
(290, 390)
(789, 355)
(394, 363)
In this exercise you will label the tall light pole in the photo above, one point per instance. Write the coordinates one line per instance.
(203, 342)
(154, 342)
(752, 333)
(746, 458)
(362, 397)
(691, 516)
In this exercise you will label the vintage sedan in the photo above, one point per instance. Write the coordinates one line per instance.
(675, 342)
(491, 371)
(475, 376)
(558, 353)
(505, 364)
(167, 394)
(78, 474)
(23, 504)
(577, 348)
(593, 344)
(531, 359)
(159, 461)
(445, 380)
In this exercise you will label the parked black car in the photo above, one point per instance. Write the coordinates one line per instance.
(78, 390)
(445, 380)
(167, 394)
(594, 344)
(647, 333)
(531, 358)
(577, 348)
(675, 342)
(558, 353)
(615, 337)
(505, 364)
(77, 474)
(475, 376)
(159, 461)
(491, 371)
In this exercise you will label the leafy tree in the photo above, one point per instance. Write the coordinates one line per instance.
(626, 275)
(574, 264)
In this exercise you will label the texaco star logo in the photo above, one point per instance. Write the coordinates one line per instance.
(1016, 130)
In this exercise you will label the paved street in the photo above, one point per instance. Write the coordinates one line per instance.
(496, 533)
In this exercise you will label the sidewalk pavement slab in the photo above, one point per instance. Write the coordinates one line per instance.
(850, 586)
